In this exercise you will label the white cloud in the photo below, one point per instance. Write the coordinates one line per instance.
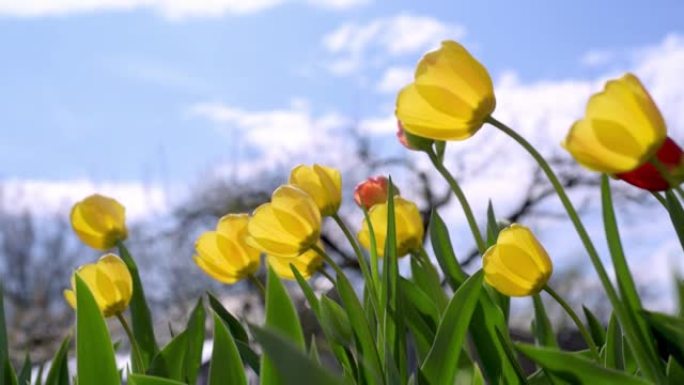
(172, 9)
(352, 44)
(41, 197)
(279, 135)
(394, 78)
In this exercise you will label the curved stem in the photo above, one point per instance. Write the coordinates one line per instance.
(260, 286)
(327, 275)
(665, 173)
(650, 367)
(327, 259)
(134, 344)
(456, 188)
(660, 199)
(582, 329)
(375, 270)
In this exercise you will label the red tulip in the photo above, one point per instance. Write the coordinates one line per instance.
(372, 191)
(647, 176)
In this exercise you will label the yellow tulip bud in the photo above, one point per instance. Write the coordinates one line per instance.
(324, 184)
(99, 221)
(517, 265)
(450, 97)
(287, 226)
(108, 280)
(409, 226)
(622, 128)
(224, 254)
(307, 264)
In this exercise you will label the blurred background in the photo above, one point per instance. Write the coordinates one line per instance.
(185, 110)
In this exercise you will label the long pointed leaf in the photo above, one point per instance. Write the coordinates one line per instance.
(226, 366)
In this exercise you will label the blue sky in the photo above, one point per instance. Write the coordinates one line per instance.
(112, 94)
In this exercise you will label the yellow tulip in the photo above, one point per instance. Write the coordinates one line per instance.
(450, 98)
(324, 184)
(409, 227)
(288, 225)
(224, 254)
(517, 265)
(108, 280)
(307, 264)
(99, 221)
(621, 130)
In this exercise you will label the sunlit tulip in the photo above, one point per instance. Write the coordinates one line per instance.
(409, 227)
(649, 178)
(99, 221)
(621, 130)
(517, 265)
(307, 264)
(372, 191)
(324, 184)
(450, 98)
(108, 280)
(288, 225)
(224, 254)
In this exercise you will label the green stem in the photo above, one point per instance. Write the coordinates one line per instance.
(582, 329)
(327, 275)
(375, 271)
(660, 199)
(665, 173)
(649, 366)
(474, 228)
(135, 355)
(371, 282)
(327, 259)
(260, 286)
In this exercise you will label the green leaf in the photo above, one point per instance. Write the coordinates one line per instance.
(679, 284)
(613, 350)
(59, 369)
(290, 363)
(141, 318)
(675, 372)
(140, 379)
(281, 316)
(95, 361)
(543, 331)
(169, 362)
(669, 332)
(195, 342)
(440, 365)
(226, 366)
(576, 369)
(444, 251)
(596, 329)
(24, 377)
(6, 377)
(335, 321)
(427, 278)
(676, 212)
(421, 315)
(9, 377)
(238, 332)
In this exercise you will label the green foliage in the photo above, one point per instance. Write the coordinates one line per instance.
(226, 365)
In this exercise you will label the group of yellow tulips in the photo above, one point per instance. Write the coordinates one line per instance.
(621, 135)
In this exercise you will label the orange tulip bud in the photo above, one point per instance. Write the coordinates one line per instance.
(372, 191)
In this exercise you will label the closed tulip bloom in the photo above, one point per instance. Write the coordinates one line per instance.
(224, 254)
(649, 178)
(517, 265)
(99, 221)
(622, 128)
(108, 280)
(372, 191)
(324, 184)
(288, 225)
(409, 227)
(307, 264)
(451, 95)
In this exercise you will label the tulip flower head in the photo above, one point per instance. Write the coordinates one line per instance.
(307, 264)
(288, 225)
(108, 280)
(517, 265)
(408, 222)
(324, 184)
(649, 178)
(224, 254)
(372, 191)
(621, 130)
(451, 95)
(99, 222)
